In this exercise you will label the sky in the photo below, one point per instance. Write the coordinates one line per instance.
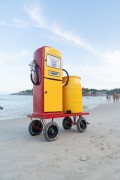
(87, 33)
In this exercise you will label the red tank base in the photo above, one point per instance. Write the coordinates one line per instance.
(51, 129)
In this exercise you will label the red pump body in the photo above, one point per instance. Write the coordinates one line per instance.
(47, 96)
(38, 100)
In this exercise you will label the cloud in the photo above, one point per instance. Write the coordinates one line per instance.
(113, 58)
(112, 64)
(38, 20)
(69, 36)
(23, 53)
(2, 62)
(3, 23)
(105, 75)
(4, 57)
(20, 23)
(35, 14)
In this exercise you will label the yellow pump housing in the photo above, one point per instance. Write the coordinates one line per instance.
(52, 80)
(72, 95)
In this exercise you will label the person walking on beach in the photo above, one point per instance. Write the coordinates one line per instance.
(114, 97)
(1, 108)
(108, 98)
(117, 97)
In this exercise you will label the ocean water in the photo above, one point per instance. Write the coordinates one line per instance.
(17, 106)
(90, 102)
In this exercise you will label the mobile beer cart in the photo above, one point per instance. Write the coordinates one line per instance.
(54, 96)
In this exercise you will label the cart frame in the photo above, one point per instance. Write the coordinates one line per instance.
(44, 116)
(50, 129)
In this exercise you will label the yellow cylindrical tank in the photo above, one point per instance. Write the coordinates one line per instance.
(72, 95)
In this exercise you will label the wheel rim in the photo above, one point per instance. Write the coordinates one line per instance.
(83, 124)
(67, 123)
(37, 127)
(52, 131)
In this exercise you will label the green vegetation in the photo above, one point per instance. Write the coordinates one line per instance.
(114, 91)
(95, 92)
(86, 92)
(27, 92)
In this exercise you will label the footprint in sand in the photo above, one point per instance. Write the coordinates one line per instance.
(84, 157)
(81, 171)
(53, 164)
(112, 155)
(118, 137)
(105, 146)
(109, 152)
(111, 131)
(96, 139)
(36, 171)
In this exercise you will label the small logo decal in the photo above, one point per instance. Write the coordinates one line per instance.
(53, 73)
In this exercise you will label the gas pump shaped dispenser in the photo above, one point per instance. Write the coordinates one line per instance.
(46, 75)
(54, 96)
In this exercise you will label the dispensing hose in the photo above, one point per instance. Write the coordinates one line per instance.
(67, 77)
(34, 69)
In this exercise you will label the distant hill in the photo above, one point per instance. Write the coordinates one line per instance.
(95, 92)
(85, 91)
(26, 92)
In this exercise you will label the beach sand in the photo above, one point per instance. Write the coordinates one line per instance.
(92, 155)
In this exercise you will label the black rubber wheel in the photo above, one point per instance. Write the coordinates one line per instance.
(35, 127)
(81, 124)
(51, 131)
(67, 123)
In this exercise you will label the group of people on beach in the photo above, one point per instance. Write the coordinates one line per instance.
(115, 97)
